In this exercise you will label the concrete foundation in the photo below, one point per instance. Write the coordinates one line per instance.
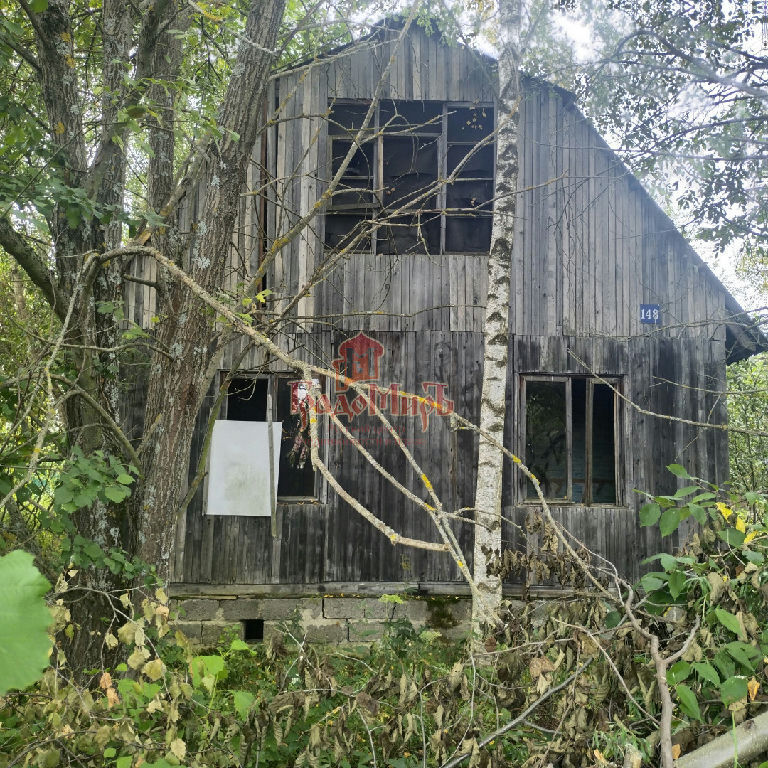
(322, 619)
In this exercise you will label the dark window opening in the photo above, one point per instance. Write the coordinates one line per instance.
(545, 437)
(409, 116)
(603, 446)
(253, 630)
(297, 478)
(247, 401)
(420, 178)
(570, 439)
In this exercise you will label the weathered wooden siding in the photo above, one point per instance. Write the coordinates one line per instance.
(677, 377)
(591, 245)
(590, 248)
(330, 542)
(227, 550)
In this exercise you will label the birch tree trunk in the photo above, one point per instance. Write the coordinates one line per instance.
(496, 327)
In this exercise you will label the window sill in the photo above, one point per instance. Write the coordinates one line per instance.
(369, 252)
(564, 503)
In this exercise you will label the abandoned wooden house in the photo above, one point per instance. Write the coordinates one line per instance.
(386, 285)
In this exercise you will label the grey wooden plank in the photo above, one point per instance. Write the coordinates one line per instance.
(605, 270)
(592, 303)
(417, 65)
(550, 295)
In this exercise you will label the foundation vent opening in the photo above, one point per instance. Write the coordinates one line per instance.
(253, 630)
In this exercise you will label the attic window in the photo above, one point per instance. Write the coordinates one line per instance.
(571, 446)
(394, 178)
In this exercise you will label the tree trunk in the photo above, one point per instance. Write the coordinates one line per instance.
(178, 382)
(493, 405)
(177, 378)
(88, 329)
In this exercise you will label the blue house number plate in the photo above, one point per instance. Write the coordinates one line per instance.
(650, 314)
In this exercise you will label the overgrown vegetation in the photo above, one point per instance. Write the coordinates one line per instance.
(569, 681)
(747, 406)
(574, 682)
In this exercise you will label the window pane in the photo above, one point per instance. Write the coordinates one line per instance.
(419, 116)
(361, 164)
(297, 478)
(406, 155)
(469, 123)
(347, 118)
(468, 233)
(578, 416)
(352, 194)
(342, 230)
(603, 442)
(416, 233)
(413, 148)
(545, 437)
(410, 190)
(479, 164)
(472, 195)
(247, 400)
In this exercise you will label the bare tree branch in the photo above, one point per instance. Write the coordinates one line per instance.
(33, 264)
(520, 718)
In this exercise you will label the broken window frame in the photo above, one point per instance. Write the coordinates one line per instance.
(614, 383)
(369, 236)
(272, 396)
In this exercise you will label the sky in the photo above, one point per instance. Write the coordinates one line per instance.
(581, 37)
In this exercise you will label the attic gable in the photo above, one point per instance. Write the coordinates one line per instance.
(592, 246)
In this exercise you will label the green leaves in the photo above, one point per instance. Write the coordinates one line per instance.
(681, 493)
(650, 514)
(24, 641)
(678, 672)
(688, 703)
(205, 670)
(668, 511)
(707, 672)
(676, 583)
(116, 493)
(733, 689)
(83, 481)
(732, 537)
(725, 583)
(242, 701)
(729, 621)
(653, 581)
(391, 598)
(88, 478)
(698, 512)
(669, 521)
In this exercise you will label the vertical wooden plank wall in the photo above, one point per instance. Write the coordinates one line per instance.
(590, 247)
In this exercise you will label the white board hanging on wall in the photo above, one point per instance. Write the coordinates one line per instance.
(238, 473)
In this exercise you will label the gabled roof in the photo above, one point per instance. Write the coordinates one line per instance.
(744, 337)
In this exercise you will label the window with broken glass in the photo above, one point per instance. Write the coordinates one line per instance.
(248, 400)
(420, 179)
(572, 441)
